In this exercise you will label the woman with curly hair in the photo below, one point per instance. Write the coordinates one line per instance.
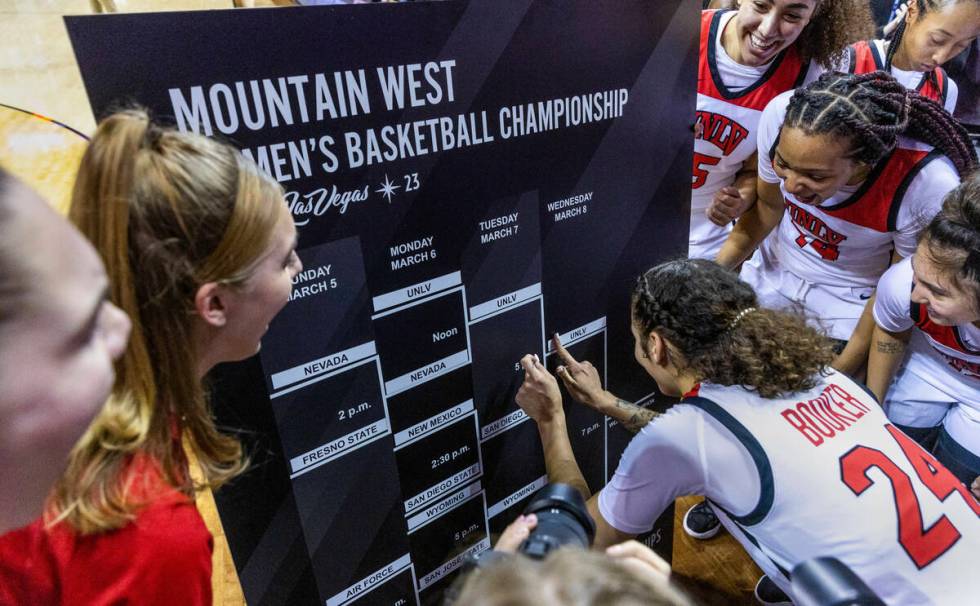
(748, 56)
(199, 249)
(797, 459)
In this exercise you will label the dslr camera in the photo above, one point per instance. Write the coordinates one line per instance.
(563, 519)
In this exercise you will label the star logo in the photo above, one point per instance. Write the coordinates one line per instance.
(388, 189)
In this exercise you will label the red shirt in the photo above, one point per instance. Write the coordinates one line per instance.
(162, 557)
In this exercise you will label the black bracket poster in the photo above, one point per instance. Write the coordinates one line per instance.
(468, 178)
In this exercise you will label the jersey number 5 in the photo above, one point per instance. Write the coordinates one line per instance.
(923, 545)
(700, 173)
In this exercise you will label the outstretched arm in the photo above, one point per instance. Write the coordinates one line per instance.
(540, 398)
(753, 227)
(582, 381)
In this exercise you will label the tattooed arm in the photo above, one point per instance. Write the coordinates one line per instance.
(583, 383)
(887, 352)
(631, 416)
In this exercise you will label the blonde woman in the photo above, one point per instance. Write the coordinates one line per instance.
(199, 248)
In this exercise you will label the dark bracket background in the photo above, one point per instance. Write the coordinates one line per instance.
(301, 541)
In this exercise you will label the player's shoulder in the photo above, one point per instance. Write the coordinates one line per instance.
(952, 92)
(898, 277)
(901, 271)
(894, 290)
(932, 174)
(674, 418)
(722, 403)
(676, 429)
(941, 169)
(715, 392)
(933, 162)
(776, 109)
(772, 119)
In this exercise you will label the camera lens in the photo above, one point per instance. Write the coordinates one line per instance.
(827, 581)
(562, 520)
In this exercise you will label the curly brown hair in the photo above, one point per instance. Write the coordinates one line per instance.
(712, 321)
(835, 24)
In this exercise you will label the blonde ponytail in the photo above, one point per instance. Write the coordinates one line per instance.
(167, 212)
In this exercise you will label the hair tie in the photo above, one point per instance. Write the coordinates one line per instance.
(738, 318)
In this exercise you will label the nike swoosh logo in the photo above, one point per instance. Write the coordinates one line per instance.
(864, 297)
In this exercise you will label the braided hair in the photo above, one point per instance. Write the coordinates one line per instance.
(952, 238)
(714, 327)
(872, 110)
(899, 33)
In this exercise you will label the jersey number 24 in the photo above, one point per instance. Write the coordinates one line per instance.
(923, 545)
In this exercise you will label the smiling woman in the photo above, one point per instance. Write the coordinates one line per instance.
(747, 57)
(815, 167)
(821, 28)
(930, 305)
(762, 29)
(851, 168)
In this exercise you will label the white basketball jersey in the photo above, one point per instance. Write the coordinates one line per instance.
(837, 479)
(869, 56)
(945, 357)
(849, 241)
(726, 126)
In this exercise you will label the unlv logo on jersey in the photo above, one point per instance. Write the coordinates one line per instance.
(719, 130)
(964, 367)
(815, 233)
(722, 132)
